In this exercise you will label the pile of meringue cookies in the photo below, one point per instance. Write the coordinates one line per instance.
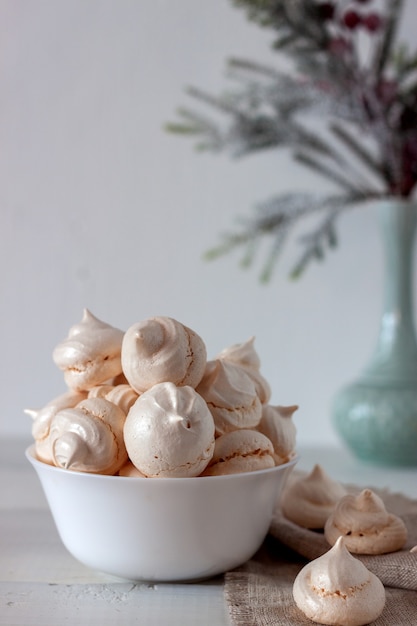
(148, 403)
(337, 588)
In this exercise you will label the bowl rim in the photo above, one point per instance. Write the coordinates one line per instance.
(30, 454)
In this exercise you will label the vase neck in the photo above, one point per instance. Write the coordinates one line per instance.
(398, 227)
(395, 357)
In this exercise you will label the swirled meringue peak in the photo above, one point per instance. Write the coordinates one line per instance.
(90, 355)
(161, 349)
(337, 589)
(242, 353)
(277, 424)
(231, 396)
(245, 355)
(42, 421)
(89, 437)
(366, 525)
(308, 501)
(169, 432)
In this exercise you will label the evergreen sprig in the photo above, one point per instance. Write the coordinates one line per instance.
(369, 149)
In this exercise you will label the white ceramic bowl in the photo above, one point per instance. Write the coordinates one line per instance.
(161, 529)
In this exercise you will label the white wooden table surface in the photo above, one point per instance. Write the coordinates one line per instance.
(42, 585)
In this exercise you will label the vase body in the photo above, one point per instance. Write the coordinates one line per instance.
(377, 414)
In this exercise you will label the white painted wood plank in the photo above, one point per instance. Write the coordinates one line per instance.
(23, 604)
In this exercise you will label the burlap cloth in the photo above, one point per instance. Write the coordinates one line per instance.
(259, 593)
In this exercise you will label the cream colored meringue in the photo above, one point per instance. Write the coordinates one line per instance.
(42, 421)
(308, 501)
(99, 391)
(169, 432)
(130, 471)
(245, 355)
(231, 396)
(277, 424)
(90, 355)
(366, 525)
(89, 437)
(337, 589)
(161, 349)
(120, 379)
(122, 395)
(240, 451)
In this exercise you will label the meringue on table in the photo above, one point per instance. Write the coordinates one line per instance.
(338, 590)
(366, 525)
(308, 501)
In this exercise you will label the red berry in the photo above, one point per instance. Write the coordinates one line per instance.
(351, 20)
(372, 22)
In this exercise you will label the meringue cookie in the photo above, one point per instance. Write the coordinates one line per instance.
(245, 355)
(160, 349)
(337, 589)
(89, 437)
(131, 471)
(231, 396)
(122, 395)
(169, 432)
(276, 423)
(42, 421)
(366, 525)
(308, 501)
(90, 355)
(240, 451)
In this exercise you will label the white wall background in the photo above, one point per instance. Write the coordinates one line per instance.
(101, 209)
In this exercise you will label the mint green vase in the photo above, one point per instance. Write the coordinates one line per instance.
(376, 415)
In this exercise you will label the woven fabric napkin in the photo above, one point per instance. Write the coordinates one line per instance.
(259, 593)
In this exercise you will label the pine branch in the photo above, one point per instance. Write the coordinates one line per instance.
(316, 243)
(332, 79)
(278, 217)
(356, 148)
(195, 124)
(314, 142)
(253, 67)
(324, 236)
(394, 12)
(325, 171)
(302, 22)
(274, 253)
(228, 243)
(216, 103)
(252, 246)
